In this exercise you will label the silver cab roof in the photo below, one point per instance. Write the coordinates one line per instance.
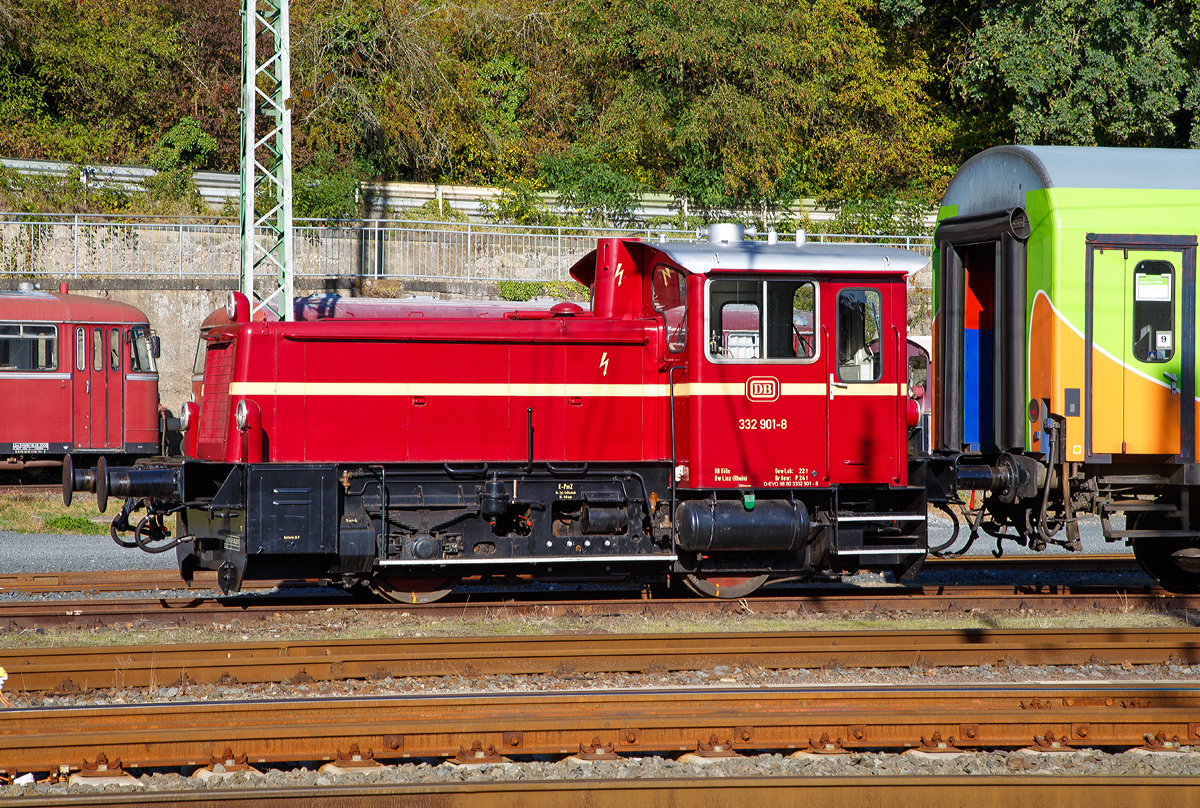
(705, 257)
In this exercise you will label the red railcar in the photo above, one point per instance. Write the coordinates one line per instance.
(727, 411)
(77, 376)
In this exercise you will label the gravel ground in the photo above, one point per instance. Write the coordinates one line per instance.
(35, 552)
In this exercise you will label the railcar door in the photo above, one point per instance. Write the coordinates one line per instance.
(1140, 343)
(81, 383)
(864, 395)
(757, 404)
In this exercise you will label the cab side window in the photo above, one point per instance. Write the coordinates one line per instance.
(859, 335)
(735, 319)
(1154, 311)
(765, 321)
(791, 320)
(668, 294)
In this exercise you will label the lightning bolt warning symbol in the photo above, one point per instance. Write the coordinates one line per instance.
(604, 361)
(620, 273)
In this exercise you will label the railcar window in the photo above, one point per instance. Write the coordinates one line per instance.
(80, 349)
(859, 335)
(141, 360)
(762, 321)
(201, 355)
(114, 349)
(97, 349)
(28, 346)
(668, 293)
(1154, 311)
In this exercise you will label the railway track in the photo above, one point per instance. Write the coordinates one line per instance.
(820, 719)
(138, 580)
(10, 490)
(250, 607)
(1013, 791)
(79, 669)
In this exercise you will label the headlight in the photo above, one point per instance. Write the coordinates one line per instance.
(185, 416)
(230, 306)
(241, 415)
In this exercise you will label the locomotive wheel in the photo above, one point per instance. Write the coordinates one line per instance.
(723, 585)
(412, 590)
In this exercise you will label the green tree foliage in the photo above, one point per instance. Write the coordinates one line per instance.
(1082, 72)
(182, 151)
(325, 189)
(735, 106)
(591, 187)
(731, 103)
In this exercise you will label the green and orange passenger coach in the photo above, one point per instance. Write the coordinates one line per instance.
(1065, 347)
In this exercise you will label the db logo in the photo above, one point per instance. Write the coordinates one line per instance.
(762, 388)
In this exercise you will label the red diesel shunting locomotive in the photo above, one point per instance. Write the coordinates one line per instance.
(77, 375)
(729, 411)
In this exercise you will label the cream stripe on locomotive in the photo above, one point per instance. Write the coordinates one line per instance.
(543, 390)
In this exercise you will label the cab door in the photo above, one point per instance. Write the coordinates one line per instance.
(1138, 337)
(757, 408)
(864, 389)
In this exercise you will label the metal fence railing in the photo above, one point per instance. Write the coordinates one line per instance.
(95, 246)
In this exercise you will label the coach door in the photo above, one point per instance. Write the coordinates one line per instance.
(1141, 326)
(862, 366)
(757, 406)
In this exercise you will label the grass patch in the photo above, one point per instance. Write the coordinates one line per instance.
(45, 513)
(64, 523)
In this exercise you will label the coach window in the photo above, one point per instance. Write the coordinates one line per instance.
(762, 321)
(859, 335)
(114, 349)
(1154, 311)
(97, 349)
(80, 349)
(28, 346)
(668, 294)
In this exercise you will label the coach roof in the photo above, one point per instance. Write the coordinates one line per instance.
(60, 308)
(1000, 177)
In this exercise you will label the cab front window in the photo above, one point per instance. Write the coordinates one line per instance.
(668, 294)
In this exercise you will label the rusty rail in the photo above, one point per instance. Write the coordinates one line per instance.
(688, 792)
(71, 669)
(121, 581)
(641, 722)
(135, 580)
(949, 599)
